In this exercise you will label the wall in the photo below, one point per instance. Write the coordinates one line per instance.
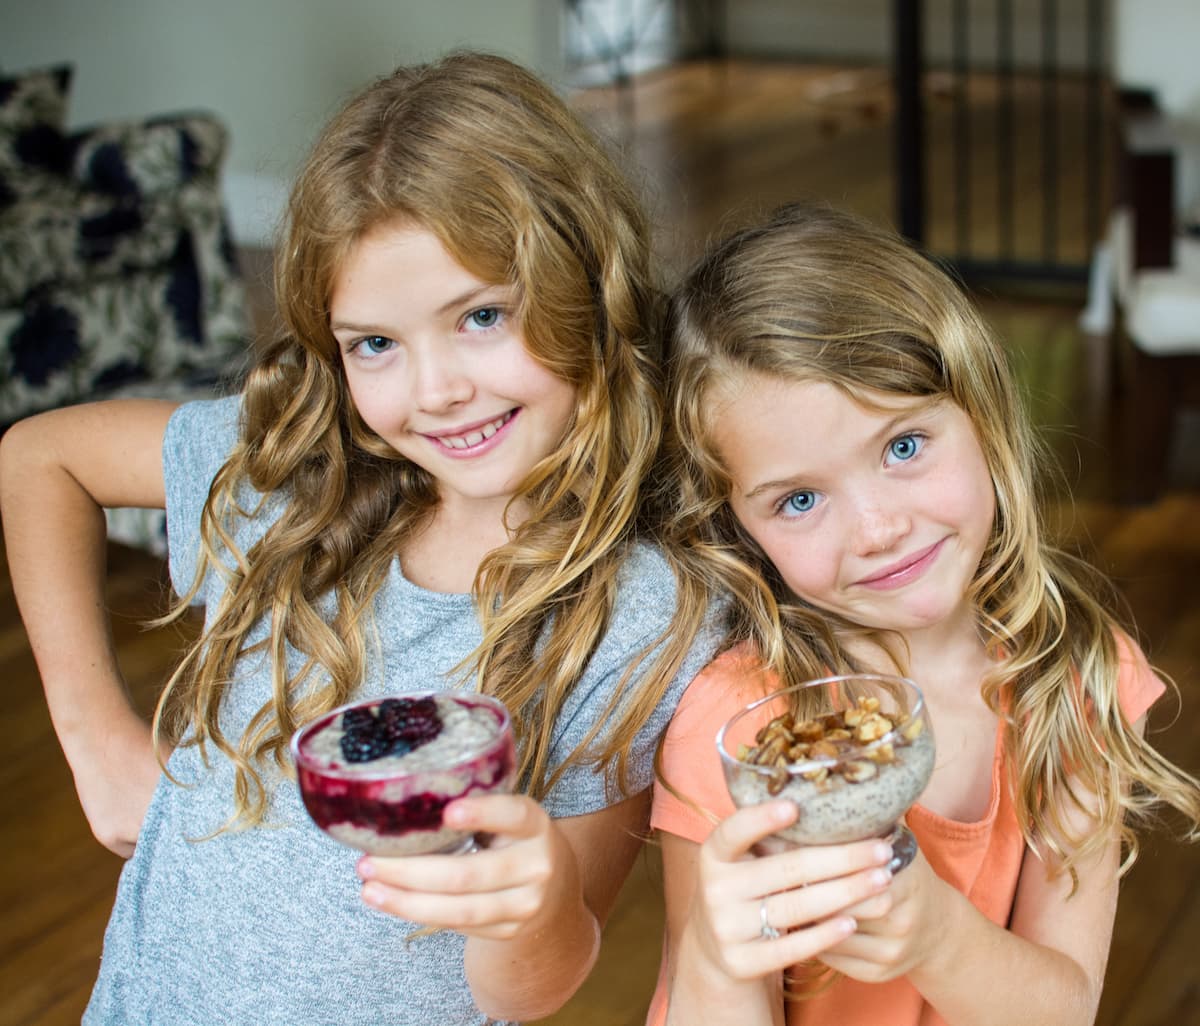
(272, 69)
(1158, 45)
(1156, 48)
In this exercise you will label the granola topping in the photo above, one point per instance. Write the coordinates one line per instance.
(851, 744)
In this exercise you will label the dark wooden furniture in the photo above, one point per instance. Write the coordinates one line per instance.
(1157, 366)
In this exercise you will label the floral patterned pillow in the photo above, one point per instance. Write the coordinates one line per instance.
(33, 109)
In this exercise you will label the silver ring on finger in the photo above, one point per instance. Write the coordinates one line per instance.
(766, 931)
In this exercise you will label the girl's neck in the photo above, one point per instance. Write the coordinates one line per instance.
(947, 661)
(445, 555)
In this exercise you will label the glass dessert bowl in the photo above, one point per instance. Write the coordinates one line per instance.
(376, 774)
(853, 752)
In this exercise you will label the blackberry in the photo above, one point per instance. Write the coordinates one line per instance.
(412, 721)
(357, 718)
(362, 744)
(399, 746)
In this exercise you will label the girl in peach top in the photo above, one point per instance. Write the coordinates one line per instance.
(854, 466)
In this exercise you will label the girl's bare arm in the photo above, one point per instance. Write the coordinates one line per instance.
(531, 906)
(720, 968)
(534, 973)
(57, 472)
(1048, 967)
(698, 992)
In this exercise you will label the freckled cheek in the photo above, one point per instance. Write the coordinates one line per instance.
(966, 503)
(381, 412)
(363, 400)
(810, 570)
(979, 506)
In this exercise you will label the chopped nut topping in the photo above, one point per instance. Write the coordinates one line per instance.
(809, 730)
(823, 750)
(837, 736)
(858, 771)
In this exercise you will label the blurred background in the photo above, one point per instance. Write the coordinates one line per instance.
(1048, 153)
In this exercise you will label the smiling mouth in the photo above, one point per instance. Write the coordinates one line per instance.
(475, 436)
(903, 572)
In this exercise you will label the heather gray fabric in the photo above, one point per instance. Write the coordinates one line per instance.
(266, 926)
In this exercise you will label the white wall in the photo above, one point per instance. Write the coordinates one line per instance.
(1156, 48)
(273, 70)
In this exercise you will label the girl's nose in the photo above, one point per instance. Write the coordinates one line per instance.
(880, 529)
(440, 381)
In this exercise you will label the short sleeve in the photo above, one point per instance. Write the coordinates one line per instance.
(690, 796)
(1138, 686)
(197, 442)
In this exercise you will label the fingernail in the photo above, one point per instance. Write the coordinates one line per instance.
(372, 894)
(882, 852)
(366, 868)
(848, 924)
(881, 876)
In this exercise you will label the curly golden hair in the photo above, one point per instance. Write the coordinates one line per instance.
(814, 294)
(483, 154)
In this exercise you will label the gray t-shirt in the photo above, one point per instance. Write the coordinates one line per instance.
(266, 925)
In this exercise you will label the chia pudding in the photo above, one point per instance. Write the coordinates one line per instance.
(852, 773)
(377, 774)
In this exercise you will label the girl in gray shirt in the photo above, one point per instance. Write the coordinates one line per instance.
(433, 477)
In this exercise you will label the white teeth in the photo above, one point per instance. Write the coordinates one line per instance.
(476, 436)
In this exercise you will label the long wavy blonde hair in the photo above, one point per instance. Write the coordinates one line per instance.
(484, 155)
(814, 294)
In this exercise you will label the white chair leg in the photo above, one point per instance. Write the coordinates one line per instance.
(1096, 318)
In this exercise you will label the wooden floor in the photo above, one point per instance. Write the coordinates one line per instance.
(734, 144)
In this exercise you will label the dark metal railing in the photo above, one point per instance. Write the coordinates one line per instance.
(1031, 94)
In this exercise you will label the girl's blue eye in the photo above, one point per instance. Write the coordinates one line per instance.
(799, 502)
(370, 346)
(905, 447)
(377, 344)
(485, 317)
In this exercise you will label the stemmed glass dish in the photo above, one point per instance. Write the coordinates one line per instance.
(853, 752)
(376, 774)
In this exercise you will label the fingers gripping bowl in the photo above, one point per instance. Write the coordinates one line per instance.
(377, 774)
(852, 752)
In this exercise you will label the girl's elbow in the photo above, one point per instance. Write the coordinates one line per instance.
(525, 1007)
(19, 449)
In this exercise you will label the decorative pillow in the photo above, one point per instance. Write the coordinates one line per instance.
(142, 158)
(33, 108)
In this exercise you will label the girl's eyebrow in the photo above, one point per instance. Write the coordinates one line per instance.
(888, 427)
(468, 297)
(770, 486)
(471, 295)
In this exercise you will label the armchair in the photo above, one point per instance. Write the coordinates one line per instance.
(118, 275)
(116, 263)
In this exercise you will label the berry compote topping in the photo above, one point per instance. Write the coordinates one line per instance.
(397, 727)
